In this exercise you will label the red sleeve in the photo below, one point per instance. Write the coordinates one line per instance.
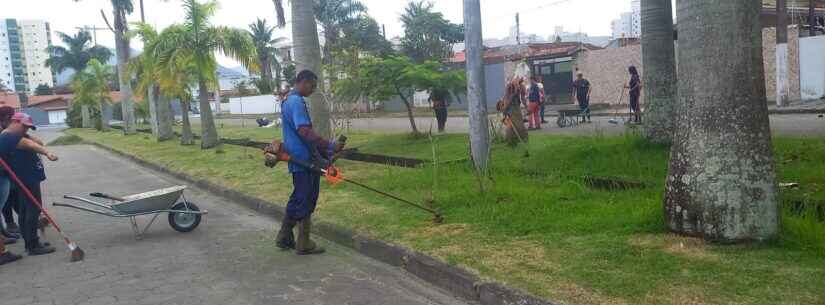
(309, 136)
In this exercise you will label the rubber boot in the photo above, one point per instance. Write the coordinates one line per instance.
(286, 239)
(304, 245)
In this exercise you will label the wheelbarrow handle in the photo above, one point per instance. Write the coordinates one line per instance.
(106, 196)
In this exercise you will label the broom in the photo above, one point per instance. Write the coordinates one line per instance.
(77, 254)
(614, 120)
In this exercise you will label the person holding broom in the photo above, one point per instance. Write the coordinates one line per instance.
(21, 153)
(302, 143)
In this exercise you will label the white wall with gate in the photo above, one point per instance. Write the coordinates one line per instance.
(812, 67)
(262, 104)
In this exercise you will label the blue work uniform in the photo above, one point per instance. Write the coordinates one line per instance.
(306, 183)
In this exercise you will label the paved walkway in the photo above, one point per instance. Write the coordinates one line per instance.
(229, 260)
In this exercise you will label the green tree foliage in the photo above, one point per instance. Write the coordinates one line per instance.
(262, 36)
(77, 53)
(382, 79)
(91, 88)
(427, 35)
(43, 89)
(289, 74)
(197, 41)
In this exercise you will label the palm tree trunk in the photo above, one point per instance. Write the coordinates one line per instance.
(85, 117)
(152, 99)
(209, 134)
(165, 118)
(308, 57)
(479, 130)
(659, 69)
(721, 183)
(104, 119)
(186, 137)
(124, 77)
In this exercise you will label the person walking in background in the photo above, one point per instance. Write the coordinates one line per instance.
(438, 101)
(534, 105)
(635, 86)
(581, 93)
(540, 83)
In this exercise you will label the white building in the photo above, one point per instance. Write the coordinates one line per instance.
(561, 35)
(23, 53)
(629, 24)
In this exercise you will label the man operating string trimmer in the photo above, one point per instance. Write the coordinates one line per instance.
(302, 143)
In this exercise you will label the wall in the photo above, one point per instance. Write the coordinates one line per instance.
(812, 67)
(262, 104)
(769, 54)
(607, 71)
(39, 116)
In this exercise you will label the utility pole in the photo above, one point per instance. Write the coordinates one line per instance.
(142, 15)
(782, 79)
(384, 30)
(518, 29)
(92, 29)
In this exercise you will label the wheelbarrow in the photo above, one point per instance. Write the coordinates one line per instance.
(184, 216)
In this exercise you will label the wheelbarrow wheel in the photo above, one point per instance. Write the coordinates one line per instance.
(560, 121)
(184, 222)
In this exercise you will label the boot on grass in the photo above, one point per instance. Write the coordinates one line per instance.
(304, 245)
(286, 239)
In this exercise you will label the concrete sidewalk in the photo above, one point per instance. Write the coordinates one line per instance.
(229, 259)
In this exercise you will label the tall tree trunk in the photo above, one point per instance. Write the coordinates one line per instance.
(721, 183)
(266, 75)
(659, 69)
(152, 99)
(209, 134)
(105, 108)
(812, 18)
(479, 130)
(101, 120)
(783, 83)
(85, 117)
(186, 137)
(308, 57)
(165, 118)
(124, 77)
(409, 106)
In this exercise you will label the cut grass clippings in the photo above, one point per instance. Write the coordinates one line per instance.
(539, 226)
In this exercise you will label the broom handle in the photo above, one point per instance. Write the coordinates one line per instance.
(30, 195)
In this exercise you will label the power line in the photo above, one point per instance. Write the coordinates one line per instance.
(531, 10)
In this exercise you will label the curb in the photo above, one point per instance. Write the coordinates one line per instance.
(460, 282)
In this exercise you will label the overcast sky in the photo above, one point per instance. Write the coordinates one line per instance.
(537, 16)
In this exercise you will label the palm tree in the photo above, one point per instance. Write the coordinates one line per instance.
(149, 73)
(721, 183)
(77, 53)
(659, 63)
(121, 8)
(261, 34)
(197, 40)
(176, 81)
(479, 131)
(91, 88)
(308, 57)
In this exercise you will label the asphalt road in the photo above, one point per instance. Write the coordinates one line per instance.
(230, 259)
(784, 125)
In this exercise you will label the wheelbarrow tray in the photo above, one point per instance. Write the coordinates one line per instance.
(151, 201)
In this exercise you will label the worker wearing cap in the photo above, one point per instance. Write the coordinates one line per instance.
(27, 166)
(17, 150)
(302, 143)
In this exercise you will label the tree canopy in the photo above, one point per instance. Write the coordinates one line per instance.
(77, 54)
(427, 34)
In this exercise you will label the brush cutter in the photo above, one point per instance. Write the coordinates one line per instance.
(77, 254)
(275, 153)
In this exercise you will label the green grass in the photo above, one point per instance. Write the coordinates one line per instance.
(66, 140)
(538, 226)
